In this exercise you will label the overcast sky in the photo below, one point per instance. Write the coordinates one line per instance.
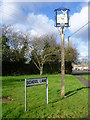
(39, 18)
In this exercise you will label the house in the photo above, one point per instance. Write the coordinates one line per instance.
(80, 67)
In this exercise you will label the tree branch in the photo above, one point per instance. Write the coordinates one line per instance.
(49, 54)
(37, 59)
(36, 64)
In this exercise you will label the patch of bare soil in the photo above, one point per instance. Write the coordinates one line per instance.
(6, 99)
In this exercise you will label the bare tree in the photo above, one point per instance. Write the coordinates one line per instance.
(44, 49)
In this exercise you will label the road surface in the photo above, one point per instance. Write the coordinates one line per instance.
(77, 72)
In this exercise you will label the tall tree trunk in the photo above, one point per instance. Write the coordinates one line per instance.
(41, 70)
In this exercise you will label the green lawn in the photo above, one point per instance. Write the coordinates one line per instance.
(75, 105)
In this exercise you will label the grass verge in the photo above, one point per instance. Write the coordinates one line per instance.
(75, 105)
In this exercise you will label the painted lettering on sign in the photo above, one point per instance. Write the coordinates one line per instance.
(38, 81)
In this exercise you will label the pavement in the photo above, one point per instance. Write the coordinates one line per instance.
(85, 82)
(77, 73)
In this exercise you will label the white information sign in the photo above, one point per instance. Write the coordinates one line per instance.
(34, 82)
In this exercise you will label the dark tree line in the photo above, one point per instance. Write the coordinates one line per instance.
(42, 54)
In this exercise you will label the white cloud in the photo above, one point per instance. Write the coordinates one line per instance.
(37, 25)
(41, 24)
(10, 13)
(20, 27)
(81, 46)
(80, 39)
(79, 19)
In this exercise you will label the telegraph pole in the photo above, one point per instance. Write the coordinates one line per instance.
(68, 41)
(62, 63)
